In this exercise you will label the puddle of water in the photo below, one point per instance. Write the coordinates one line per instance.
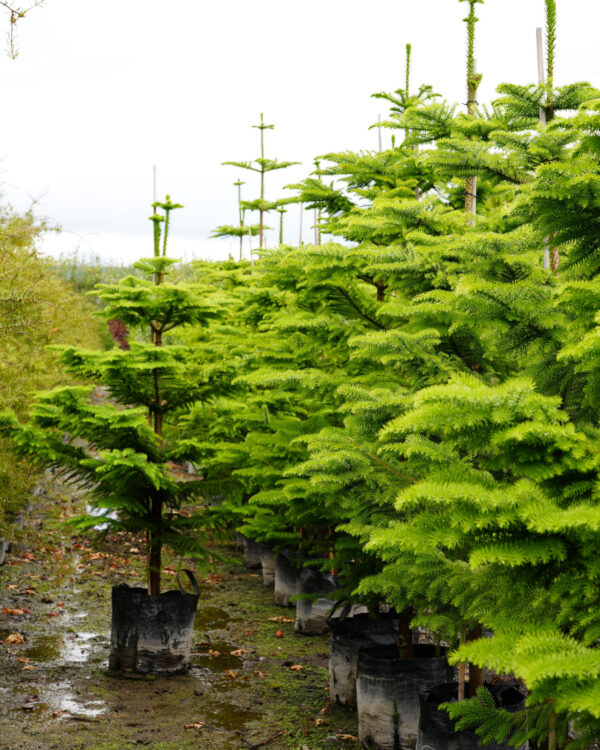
(78, 647)
(73, 648)
(211, 618)
(44, 648)
(202, 657)
(229, 717)
(77, 708)
(57, 699)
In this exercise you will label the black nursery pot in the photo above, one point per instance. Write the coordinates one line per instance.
(312, 614)
(351, 633)
(287, 579)
(252, 552)
(436, 729)
(152, 634)
(267, 561)
(387, 693)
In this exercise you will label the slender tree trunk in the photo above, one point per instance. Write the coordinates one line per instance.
(262, 184)
(475, 672)
(405, 635)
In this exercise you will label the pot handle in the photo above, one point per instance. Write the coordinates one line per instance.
(192, 578)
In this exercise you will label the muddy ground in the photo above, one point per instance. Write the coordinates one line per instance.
(249, 686)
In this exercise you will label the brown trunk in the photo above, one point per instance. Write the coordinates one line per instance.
(461, 680)
(381, 287)
(475, 672)
(552, 732)
(405, 635)
(155, 551)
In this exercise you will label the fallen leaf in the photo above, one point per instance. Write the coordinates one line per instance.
(14, 639)
(281, 618)
(29, 592)
(22, 660)
(248, 632)
(318, 722)
(196, 725)
(230, 675)
(211, 652)
(297, 667)
(28, 666)
(258, 673)
(12, 587)
(346, 737)
(279, 634)
(61, 604)
(239, 652)
(9, 611)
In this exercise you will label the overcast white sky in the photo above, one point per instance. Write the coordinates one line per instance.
(104, 89)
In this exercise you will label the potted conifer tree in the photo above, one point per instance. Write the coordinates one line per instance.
(124, 446)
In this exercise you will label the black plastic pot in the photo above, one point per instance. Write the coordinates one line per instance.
(287, 579)
(387, 694)
(352, 632)
(252, 552)
(152, 634)
(312, 614)
(239, 540)
(267, 561)
(436, 729)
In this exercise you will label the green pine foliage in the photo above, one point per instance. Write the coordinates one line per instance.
(120, 450)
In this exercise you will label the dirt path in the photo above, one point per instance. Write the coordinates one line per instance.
(241, 692)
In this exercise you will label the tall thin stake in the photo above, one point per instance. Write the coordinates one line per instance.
(541, 81)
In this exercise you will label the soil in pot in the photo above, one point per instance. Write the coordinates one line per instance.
(312, 614)
(252, 551)
(267, 561)
(152, 634)
(350, 633)
(387, 693)
(436, 729)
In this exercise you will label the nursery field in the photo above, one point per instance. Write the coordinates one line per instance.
(241, 692)
(400, 419)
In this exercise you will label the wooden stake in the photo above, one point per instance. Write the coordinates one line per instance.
(542, 80)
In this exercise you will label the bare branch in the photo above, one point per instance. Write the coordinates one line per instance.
(16, 13)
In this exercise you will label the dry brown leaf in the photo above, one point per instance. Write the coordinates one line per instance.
(318, 722)
(281, 618)
(22, 660)
(230, 674)
(278, 634)
(12, 587)
(297, 667)
(346, 737)
(9, 611)
(196, 725)
(27, 666)
(239, 652)
(211, 652)
(14, 639)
